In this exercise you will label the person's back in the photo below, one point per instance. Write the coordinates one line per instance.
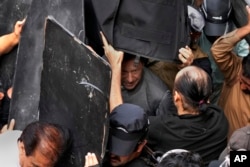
(199, 126)
(142, 87)
(239, 141)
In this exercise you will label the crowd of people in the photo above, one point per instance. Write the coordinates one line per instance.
(162, 114)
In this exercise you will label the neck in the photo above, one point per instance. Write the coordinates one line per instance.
(183, 111)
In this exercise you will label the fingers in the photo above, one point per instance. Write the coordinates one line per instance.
(18, 27)
(90, 160)
(8, 127)
(114, 56)
(11, 125)
(20, 23)
(186, 56)
(104, 40)
(4, 129)
(184, 53)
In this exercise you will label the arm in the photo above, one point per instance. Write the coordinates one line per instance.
(115, 59)
(9, 41)
(222, 51)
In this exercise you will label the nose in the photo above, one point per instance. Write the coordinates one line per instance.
(130, 77)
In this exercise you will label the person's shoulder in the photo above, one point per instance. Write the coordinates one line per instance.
(153, 80)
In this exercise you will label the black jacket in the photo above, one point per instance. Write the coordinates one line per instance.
(205, 133)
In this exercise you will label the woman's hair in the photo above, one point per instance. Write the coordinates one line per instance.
(49, 139)
(180, 158)
(195, 86)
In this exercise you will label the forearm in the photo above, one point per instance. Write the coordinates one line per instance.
(115, 59)
(223, 55)
(115, 91)
(243, 31)
(8, 42)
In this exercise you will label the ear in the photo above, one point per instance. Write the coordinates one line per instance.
(141, 146)
(177, 96)
(21, 148)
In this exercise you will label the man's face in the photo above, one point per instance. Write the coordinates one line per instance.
(131, 74)
(120, 160)
(245, 84)
(34, 160)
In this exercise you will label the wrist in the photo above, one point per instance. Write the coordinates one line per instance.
(15, 38)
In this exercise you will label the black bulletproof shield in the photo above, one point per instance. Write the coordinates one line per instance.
(27, 79)
(240, 16)
(148, 28)
(74, 91)
(10, 12)
(57, 79)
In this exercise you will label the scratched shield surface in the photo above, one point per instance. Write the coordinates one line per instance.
(74, 91)
(57, 79)
(27, 76)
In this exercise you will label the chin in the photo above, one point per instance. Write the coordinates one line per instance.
(130, 87)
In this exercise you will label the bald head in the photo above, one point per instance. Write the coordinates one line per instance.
(50, 140)
(194, 84)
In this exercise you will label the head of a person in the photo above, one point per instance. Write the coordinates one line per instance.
(132, 70)
(197, 23)
(42, 144)
(240, 139)
(128, 130)
(245, 75)
(217, 14)
(192, 88)
(180, 158)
